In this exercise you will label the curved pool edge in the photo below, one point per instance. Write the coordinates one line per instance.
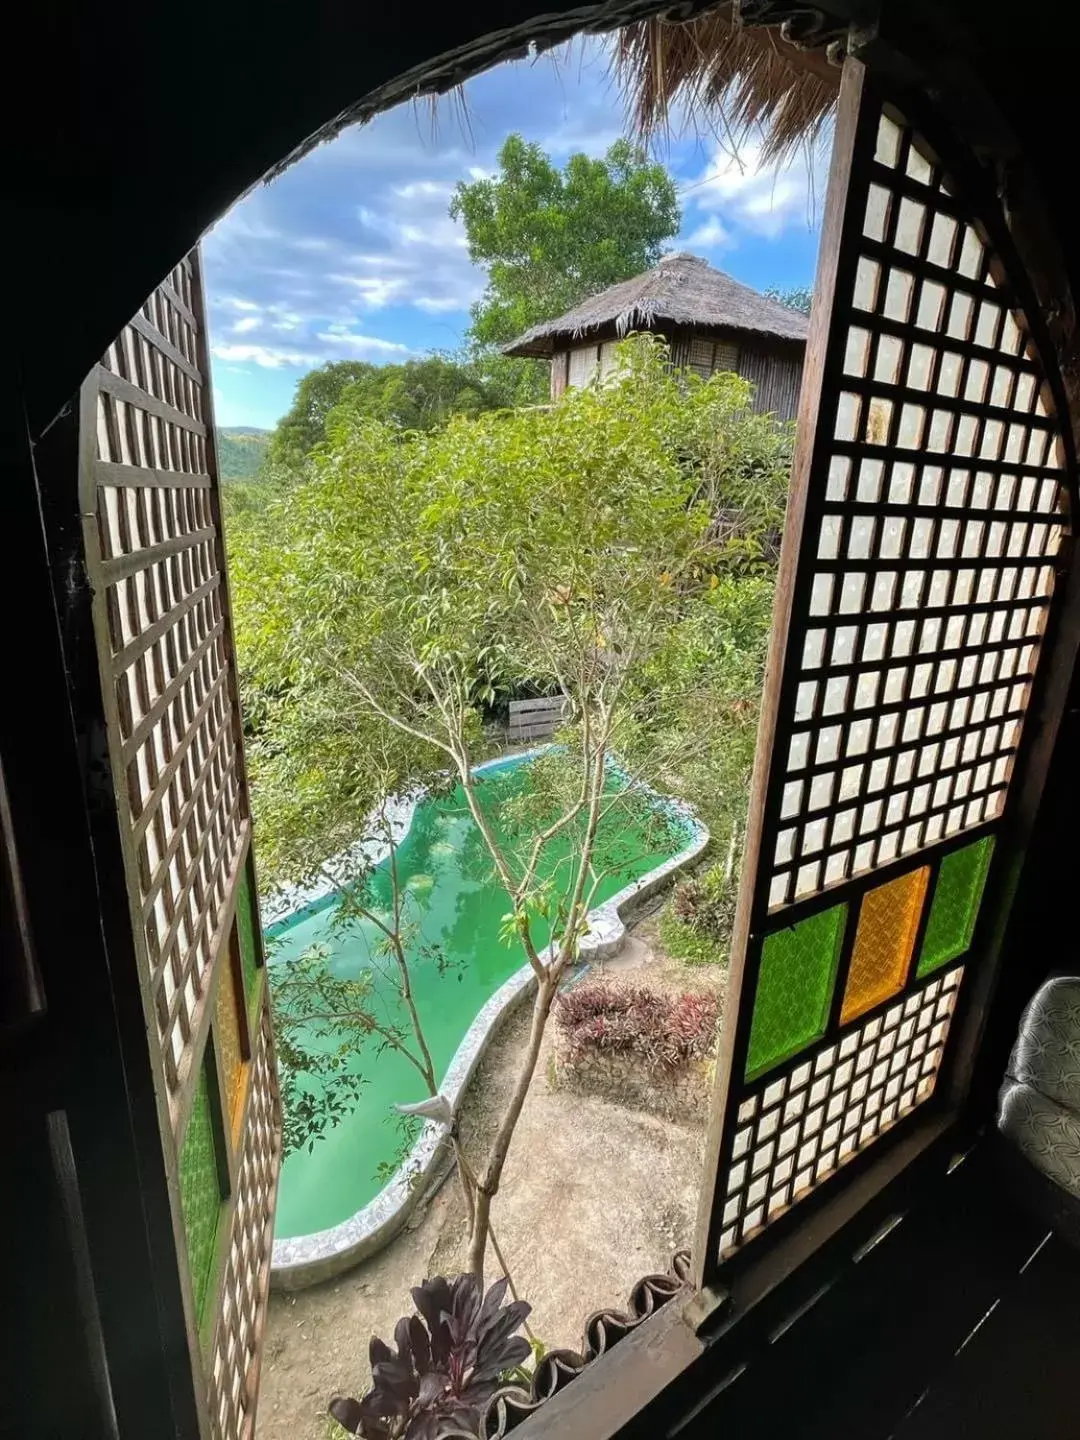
(305, 1260)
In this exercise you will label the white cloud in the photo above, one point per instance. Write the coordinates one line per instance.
(367, 345)
(374, 292)
(436, 304)
(440, 235)
(249, 322)
(440, 190)
(741, 191)
(712, 235)
(263, 356)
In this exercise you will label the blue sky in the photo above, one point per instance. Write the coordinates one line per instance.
(351, 254)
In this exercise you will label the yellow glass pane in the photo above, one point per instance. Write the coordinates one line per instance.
(888, 924)
(227, 1034)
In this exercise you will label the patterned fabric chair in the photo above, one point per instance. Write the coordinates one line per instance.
(1039, 1107)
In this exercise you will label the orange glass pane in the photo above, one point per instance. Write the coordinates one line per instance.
(888, 924)
(227, 1034)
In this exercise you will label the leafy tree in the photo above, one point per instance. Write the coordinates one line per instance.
(240, 452)
(422, 394)
(798, 297)
(410, 580)
(302, 428)
(519, 382)
(323, 1020)
(550, 237)
(417, 395)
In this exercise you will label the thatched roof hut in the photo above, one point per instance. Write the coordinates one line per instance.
(711, 321)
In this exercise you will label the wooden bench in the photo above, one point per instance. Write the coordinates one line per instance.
(535, 719)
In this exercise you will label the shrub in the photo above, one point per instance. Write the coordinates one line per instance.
(683, 941)
(696, 925)
(450, 1360)
(707, 902)
(664, 1031)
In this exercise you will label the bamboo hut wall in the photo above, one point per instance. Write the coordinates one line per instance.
(776, 376)
(775, 371)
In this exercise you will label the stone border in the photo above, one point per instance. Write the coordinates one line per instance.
(305, 1260)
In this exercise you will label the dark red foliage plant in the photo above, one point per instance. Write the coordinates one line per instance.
(663, 1031)
(450, 1359)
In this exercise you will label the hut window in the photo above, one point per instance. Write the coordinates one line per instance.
(583, 363)
(727, 355)
(706, 355)
(607, 358)
(700, 359)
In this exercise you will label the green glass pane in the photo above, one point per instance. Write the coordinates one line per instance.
(955, 908)
(794, 989)
(200, 1193)
(245, 924)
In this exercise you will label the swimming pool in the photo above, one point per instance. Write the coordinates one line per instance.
(457, 959)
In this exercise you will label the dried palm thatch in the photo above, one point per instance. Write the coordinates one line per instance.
(683, 290)
(744, 78)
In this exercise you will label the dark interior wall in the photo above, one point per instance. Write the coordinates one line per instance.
(130, 129)
(1042, 934)
(137, 125)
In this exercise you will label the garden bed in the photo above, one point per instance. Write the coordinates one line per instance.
(647, 1049)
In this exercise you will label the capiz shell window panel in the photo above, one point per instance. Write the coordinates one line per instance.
(155, 559)
(930, 500)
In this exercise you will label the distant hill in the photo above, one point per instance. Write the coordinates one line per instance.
(240, 451)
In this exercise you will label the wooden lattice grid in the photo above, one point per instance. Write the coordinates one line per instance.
(935, 549)
(925, 552)
(807, 1119)
(247, 1276)
(159, 563)
(155, 558)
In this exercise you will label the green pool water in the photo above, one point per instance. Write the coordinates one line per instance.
(457, 906)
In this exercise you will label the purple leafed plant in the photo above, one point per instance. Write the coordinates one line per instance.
(663, 1031)
(450, 1360)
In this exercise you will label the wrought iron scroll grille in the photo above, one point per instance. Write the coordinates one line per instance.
(155, 558)
(929, 511)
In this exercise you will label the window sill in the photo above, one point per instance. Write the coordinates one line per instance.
(666, 1364)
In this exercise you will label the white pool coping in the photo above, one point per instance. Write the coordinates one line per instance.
(305, 1260)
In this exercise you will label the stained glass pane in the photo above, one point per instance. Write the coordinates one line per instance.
(888, 923)
(200, 1193)
(794, 988)
(227, 1034)
(955, 906)
(796, 1130)
(245, 924)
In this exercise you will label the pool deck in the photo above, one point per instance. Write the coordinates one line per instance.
(305, 1260)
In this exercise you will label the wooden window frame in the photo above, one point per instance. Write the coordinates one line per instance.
(682, 1345)
(154, 551)
(858, 110)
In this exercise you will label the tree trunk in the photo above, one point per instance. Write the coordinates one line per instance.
(489, 1181)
